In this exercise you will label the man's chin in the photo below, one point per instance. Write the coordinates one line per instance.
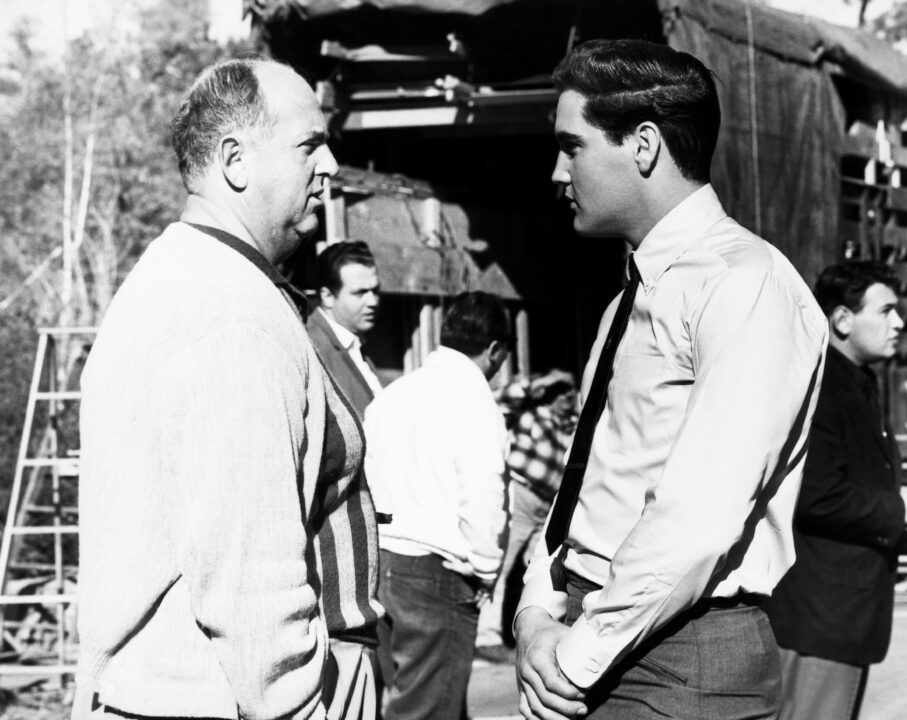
(585, 230)
(307, 227)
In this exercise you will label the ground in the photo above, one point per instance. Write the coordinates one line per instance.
(492, 692)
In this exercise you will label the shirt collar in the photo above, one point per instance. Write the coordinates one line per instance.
(864, 377)
(675, 232)
(445, 356)
(346, 338)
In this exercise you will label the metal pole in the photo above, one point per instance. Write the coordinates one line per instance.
(11, 516)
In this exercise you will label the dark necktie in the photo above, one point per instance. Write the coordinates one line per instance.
(567, 496)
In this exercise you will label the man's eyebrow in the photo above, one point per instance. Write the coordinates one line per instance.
(313, 136)
(564, 136)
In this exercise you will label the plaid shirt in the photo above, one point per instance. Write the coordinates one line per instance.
(538, 450)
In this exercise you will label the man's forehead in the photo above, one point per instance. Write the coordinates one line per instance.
(879, 294)
(287, 93)
(569, 118)
(355, 274)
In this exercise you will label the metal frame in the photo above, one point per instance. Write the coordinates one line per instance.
(21, 507)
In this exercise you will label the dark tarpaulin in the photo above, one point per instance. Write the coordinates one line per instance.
(776, 164)
(800, 38)
(271, 9)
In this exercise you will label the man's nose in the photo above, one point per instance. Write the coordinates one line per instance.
(560, 176)
(327, 163)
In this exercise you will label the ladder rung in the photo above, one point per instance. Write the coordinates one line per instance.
(37, 669)
(50, 530)
(40, 566)
(30, 624)
(59, 395)
(66, 509)
(36, 599)
(51, 462)
(68, 330)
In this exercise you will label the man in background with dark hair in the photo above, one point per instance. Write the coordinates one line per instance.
(832, 612)
(345, 522)
(435, 460)
(673, 518)
(348, 299)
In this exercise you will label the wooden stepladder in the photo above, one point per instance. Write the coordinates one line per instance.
(39, 552)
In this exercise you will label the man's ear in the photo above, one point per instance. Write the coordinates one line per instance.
(327, 298)
(497, 352)
(841, 321)
(232, 159)
(648, 143)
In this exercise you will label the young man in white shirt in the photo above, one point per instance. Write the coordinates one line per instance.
(436, 444)
(674, 515)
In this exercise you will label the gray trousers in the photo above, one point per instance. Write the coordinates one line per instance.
(709, 663)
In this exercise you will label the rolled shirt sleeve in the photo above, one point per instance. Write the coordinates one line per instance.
(481, 445)
(757, 361)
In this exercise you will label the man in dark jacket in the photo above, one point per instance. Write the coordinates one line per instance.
(832, 612)
(349, 295)
(347, 538)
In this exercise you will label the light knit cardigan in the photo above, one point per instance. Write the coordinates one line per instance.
(202, 421)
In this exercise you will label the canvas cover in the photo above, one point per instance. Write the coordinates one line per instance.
(310, 9)
(784, 121)
(800, 38)
(776, 164)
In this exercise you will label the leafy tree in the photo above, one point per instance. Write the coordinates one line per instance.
(88, 178)
(892, 25)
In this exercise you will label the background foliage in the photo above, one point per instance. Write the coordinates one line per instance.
(87, 164)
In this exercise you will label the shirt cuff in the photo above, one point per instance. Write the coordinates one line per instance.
(576, 654)
(538, 590)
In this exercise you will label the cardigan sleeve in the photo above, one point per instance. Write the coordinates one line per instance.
(238, 431)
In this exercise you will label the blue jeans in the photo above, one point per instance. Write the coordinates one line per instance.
(708, 663)
(427, 637)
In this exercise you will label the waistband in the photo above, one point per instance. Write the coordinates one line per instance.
(429, 562)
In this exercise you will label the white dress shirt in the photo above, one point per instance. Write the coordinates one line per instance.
(353, 345)
(697, 459)
(435, 449)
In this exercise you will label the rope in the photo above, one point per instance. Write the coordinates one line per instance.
(754, 123)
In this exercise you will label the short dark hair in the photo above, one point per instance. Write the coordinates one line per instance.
(336, 256)
(225, 97)
(626, 82)
(847, 283)
(473, 320)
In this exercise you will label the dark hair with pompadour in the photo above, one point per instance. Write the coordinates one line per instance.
(627, 82)
(336, 256)
(846, 284)
(473, 320)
